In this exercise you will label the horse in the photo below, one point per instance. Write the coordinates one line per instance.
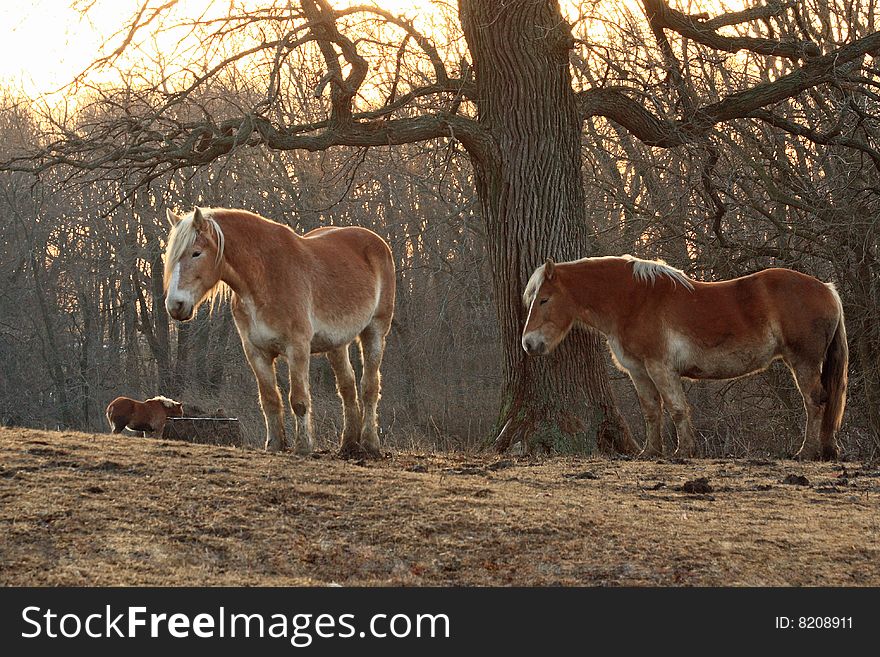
(149, 415)
(291, 296)
(661, 326)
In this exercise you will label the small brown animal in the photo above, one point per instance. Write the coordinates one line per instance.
(149, 415)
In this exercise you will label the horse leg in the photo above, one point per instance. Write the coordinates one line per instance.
(372, 342)
(116, 425)
(298, 356)
(263, 366)
(668, 384)
(346, 386)
(809, 382)
(652, 410)
(156, 429)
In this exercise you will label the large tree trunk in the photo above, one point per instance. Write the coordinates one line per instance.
(533, 205)
(217, 354)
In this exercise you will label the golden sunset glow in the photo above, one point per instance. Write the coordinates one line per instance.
(48, 43)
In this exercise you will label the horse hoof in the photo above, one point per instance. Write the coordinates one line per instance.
(275, 443)
(684, 452)
(348, 439)
(807, 454)
(359, 451)
(350, 451)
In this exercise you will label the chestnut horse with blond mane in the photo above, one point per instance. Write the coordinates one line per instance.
(662, 325)
(149, 415)
(292, 296)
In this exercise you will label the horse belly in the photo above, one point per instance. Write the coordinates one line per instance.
(728, 362)
(266, 339)
(328, 336)
(140, 426)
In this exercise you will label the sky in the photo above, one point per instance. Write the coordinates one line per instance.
(46, 43)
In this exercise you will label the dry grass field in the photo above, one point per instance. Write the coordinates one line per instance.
(81, 509)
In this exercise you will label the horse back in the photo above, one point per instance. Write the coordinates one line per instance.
(775, 298)
(361, 243)
(120, 407)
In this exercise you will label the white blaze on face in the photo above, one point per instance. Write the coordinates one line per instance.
(528, 317)
(175, 294)
(530, 296)
(534, 340)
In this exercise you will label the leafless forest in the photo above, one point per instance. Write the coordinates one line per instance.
(722, 171)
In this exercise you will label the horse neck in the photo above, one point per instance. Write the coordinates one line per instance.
(604, 290)
(250, 254)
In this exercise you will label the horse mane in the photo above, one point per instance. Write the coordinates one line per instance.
(643, 270)
(181, 239)
(532, 287)
(166, 402)
(649, 270)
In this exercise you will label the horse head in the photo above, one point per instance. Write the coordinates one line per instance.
(192, 262)
(551, 311)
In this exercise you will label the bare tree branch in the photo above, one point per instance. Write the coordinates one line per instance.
(659, 13)
(827, 139)
(761, 12)
(323, 25)
(616, 105)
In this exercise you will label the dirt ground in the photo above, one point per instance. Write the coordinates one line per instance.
(80, 509)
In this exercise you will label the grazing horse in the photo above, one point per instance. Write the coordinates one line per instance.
(662, 325)
(292, 296)
(149, 415)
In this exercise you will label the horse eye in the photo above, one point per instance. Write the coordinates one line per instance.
(196, 254)
(545, 300)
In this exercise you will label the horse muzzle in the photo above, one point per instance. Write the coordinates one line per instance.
(179, 310)
(534, 345)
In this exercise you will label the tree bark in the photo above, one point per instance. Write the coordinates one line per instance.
(179, 377)
(532, 200)
(154, 325)
(217, 354)
(54, 362)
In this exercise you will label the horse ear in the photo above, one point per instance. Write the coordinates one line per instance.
(198, 219)
(549, 269)
(173, 218)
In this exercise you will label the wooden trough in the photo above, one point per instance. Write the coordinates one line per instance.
(204, 430)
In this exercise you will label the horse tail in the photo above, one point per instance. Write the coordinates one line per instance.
(834, 376)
